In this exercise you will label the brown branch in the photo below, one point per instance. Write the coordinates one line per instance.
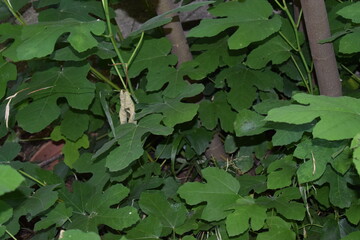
(317, 27)
(175, 33)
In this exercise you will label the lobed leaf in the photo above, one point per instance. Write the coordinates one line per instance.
(149, 228)
(353, 213)
(351, 12)
(319, 153)
(281, 173)
(247, 215)
(71, 148)
(248, 123)
(92, 208)
(276, 49)
(283, 202)
(82, 11)
(219, 191)
(278, 230)
(8, 72)
(164, 18)
(251, 17)
(244, 82)
(131, 142)
(26, 45)
(10, 179)
(339, 117)
(155, 204)
(340, 194)
(218, 110)
(47, 87)
(74, 234)
(58, 216)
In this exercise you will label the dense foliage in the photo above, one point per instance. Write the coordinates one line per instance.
(135, 129)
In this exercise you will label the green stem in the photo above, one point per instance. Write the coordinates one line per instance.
(300, 72)
(299, 19)
(112, 39)
(287, 41)
(9, 233)
(310, 225)
(110, 33)
(32, 178)
(308, 81)
(353, 75)
(118, 73)
(14, 13)
(105, 79)
(34, 139)
(135, 51)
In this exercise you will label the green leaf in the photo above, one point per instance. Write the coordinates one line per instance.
(355, 145)
(336, 229)
(82, 11)
(247, 214)
(319, 152)
(154, 203)
(282, 202)
(248, 123)
(210, 112)
(244, 158)
(352, 236)
(58, 216)
(266, 105)
(86, 164)
(322, 195)
(275, 49)
(219, 192)
(342, 161)
(173, 110)
(10, 179)
(104, 50)
(339, 117)
(191, 222)
(149, 228)
(70, 149)
(47, 87)
(45, 3)
(131, 143)
(154, 56)
(74, 125)
(281, 173)
(216, 49)
(199, 139)
(244, 82)
(287, 133)
(353, 213)
(9, 150)
(349, 43)
(42, 200)
(340, 194)
(250, 27)
(249, 183)
(26, 45)
(351, 12)
(93, 208)
(8, 72)
(31, 204)
(278, 230)
(76, 234)
(164, 19)
(6, 212)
